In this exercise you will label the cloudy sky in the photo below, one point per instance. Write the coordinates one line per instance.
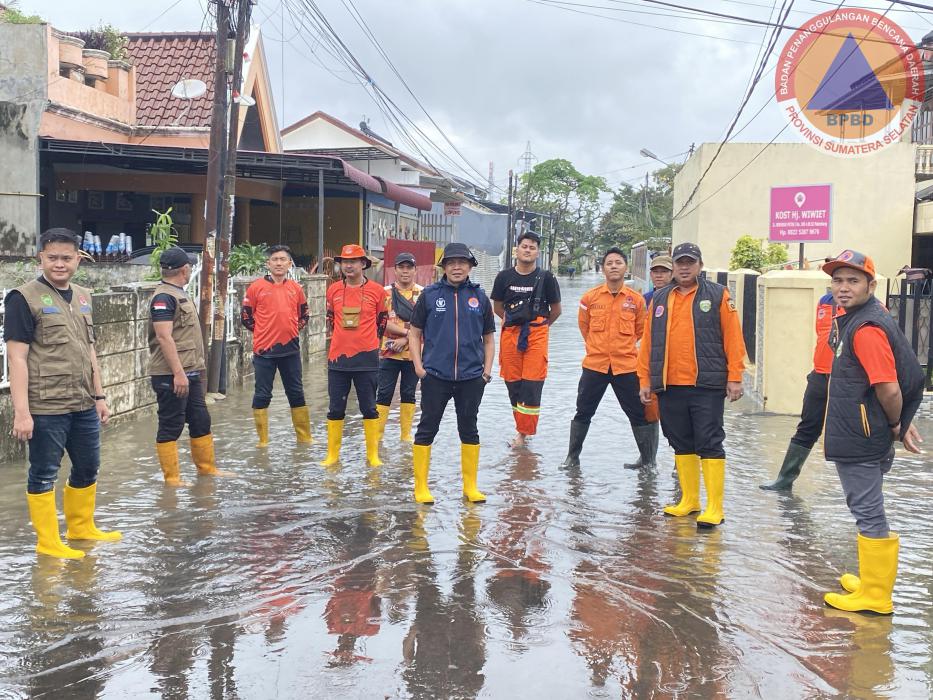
(593, 81)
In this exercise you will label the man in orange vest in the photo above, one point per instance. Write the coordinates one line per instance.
(357, 317)
(611, 318)
(692, 356)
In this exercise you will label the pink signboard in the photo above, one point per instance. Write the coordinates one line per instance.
(800, 213)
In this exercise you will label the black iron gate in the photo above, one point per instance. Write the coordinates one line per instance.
(911, 303)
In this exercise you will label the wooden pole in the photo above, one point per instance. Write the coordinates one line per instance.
(219, 339)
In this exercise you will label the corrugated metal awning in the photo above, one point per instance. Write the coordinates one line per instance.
(404, 196)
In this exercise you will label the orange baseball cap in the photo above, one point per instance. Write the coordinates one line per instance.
(853, 259)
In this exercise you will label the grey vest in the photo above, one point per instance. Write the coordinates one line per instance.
(856, 425)
(712, 371)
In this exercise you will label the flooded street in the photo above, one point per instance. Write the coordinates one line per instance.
(295, 581)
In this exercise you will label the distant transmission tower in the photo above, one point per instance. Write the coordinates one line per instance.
(527, 158)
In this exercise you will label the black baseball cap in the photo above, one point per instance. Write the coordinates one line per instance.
(686, 250)
(176, 258)
(405, 258)
(458, 250)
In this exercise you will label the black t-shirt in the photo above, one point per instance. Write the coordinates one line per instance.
(162, 307)
(18, 323)
(511, 286)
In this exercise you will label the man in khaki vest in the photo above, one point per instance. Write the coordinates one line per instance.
(58, 398)
(176, 360)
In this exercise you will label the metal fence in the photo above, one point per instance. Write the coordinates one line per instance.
(911, 304)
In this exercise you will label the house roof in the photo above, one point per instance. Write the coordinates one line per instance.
(374, 142)
(162, 59)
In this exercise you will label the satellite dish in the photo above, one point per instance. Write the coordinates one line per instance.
(245, 100)
(189, 89)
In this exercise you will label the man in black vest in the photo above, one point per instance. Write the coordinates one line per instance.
(692, 356)
(875, 388)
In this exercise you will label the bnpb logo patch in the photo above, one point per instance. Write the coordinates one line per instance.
(473, 302)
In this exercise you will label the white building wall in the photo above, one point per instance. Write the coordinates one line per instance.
(873, 200)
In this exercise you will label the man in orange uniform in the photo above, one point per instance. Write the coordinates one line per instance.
(274, 311)
(527, 299)
(692, 356)
(357, 317)
(813, 412)
(611, 318)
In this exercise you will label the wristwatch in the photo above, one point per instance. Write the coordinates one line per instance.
(100, 398)
(487, 377)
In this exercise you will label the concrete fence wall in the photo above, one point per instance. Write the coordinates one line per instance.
(121, 328)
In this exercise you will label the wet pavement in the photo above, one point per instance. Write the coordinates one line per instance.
(293, 581)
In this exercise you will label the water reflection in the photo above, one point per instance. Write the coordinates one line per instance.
(444, 650)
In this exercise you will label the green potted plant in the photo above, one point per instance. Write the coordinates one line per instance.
(163, 236)
(247, 259)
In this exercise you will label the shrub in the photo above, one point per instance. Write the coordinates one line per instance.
(247, 259)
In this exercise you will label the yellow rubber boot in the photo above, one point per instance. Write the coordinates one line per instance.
(44, 519)
(406, 418)
(168, 460)
(301, 420)
(79, 515)
(383, 417)
(877, 563)
(202, 454)
(714, 479)
(421, 459)
(469, 465)
(371, 431)
(688, 473)
(261, 418)
(850, 582)
(334, 439)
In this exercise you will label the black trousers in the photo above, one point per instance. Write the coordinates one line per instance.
(691, 419)
(593, 386)
(813, 413)
(436, 394)
(338, 389)
(175, 411)
(289, 368)
(389, 372)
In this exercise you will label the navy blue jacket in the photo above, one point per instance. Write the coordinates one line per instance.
(453, 321)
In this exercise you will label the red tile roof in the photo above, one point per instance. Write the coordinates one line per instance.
(162, 59)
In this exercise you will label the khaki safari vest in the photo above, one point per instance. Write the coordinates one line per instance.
(186, 332)
(60, 376)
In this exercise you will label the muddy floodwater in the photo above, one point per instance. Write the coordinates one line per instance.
(290, 580)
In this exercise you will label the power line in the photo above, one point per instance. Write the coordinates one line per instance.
(772, 43)
(546, 3)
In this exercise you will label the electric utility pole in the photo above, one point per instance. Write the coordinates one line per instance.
(212, 191)
(227, 198)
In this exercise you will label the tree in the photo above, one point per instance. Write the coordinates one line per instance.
(642, 213)
(750, 253)
(557, 188)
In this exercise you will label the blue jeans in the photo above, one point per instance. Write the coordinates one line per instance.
(79, 434)
(289, 367)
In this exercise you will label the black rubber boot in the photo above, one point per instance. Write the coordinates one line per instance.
(578, 433)
(646, 437)
(793, 460)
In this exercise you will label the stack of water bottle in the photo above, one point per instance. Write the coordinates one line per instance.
(118, 249)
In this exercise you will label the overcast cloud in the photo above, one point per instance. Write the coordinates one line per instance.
(497, 73)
